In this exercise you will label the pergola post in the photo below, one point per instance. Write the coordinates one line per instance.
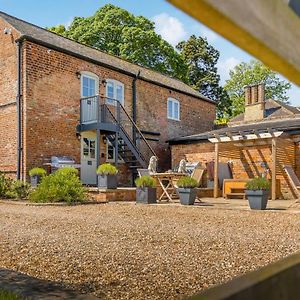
(273, 168)
(216, 171)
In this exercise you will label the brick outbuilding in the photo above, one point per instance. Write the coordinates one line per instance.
(59, 97)
(264, 140)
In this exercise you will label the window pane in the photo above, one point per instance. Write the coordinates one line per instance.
(92, 153)
(85, 91)
(110, 151)
(120, 93)
(176, 111)
(88, 86)
(170, 109)
(85, 81)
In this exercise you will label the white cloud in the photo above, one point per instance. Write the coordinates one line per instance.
(224, 66)
(209, 34)
(170, 28)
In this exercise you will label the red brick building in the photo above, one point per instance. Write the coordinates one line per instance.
(59, 97)
(265, 138)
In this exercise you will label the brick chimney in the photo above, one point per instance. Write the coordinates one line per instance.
(254, 102)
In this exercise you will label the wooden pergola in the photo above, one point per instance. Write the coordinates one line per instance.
(229, 145)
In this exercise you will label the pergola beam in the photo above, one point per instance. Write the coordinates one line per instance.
(216, 171)
(273, 168)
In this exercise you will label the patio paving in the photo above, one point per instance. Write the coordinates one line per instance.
(126, 251)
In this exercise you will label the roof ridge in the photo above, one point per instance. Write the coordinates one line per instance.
(96, 49)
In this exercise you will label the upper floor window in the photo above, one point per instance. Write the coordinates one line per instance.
(89, 84)
(173, 109)
(114, 91)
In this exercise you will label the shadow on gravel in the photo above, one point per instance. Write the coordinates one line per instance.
(37, 289)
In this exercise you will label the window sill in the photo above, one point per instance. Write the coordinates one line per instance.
(171, 119)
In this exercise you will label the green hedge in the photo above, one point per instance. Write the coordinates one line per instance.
(62, 186)
(13, 189)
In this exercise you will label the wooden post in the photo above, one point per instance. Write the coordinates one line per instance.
(216, 171)
(273, 171)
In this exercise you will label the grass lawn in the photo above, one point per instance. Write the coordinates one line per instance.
(128, 251)
(4, 295)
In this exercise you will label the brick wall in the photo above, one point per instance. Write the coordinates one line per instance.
(196, 116)
(52, 106)
(8, 90)
(248, 165)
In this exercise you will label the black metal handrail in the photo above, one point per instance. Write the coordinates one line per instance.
(94, 109)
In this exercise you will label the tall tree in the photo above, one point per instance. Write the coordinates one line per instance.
(118, 32)
(252, 73)
(201, 59)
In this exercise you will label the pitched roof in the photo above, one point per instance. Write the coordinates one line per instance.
(273, 109)
(38, 34)
(287, 125)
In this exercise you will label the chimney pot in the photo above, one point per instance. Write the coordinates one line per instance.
(261, 92)
(247, 95)
(254, 103)
(254, 94)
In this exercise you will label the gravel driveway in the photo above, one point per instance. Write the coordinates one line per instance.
(127, 251)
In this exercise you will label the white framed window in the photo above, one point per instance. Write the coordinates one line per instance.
(114, 91)
(110, 153)
(173, 109)
(89, 84)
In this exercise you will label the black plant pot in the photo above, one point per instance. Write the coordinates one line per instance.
(257, 199)
(187, 196)
(35, 180)
(107, 182)
(146, 195)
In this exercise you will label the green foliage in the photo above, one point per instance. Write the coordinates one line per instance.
(107, 169)
(253, 72)
(118, 32)
(258, 183)
(10, 189)
(201, 59)
(61, 186)
(187, 182)
(20, 189)
(145, 181)
(37, 172)
(5, 295)
(5, 186)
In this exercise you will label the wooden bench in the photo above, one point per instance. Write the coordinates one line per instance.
(234, 188)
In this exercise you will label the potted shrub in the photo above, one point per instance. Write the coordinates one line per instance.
(146, 190)
(187, 190)
(107, 176)
(257, 191)
(36, 175)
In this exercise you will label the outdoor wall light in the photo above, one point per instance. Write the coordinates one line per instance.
(104, 139)
(78, 74)
(104, 82)
(78, 136)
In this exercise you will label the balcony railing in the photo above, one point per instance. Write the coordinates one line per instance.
(97, 110)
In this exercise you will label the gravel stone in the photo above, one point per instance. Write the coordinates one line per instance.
(128, 251)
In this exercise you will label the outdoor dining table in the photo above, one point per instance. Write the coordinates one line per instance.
(166, 182)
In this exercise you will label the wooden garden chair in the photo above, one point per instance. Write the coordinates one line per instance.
(293, 179)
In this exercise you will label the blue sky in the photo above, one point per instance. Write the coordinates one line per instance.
(171, 23)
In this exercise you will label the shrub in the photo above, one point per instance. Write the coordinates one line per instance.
(37, 172)
(107, 169)
(19, 189)
(10, 189)
(187, 182)
(258, 183)
(5, 186)
(145, 181)
(61, 186)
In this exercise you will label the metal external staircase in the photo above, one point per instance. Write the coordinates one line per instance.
(110, 117)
